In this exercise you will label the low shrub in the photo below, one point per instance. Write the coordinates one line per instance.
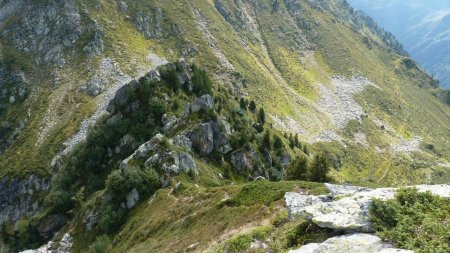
(239, 243)
(413, 220)
(100, 245)
(121, 182)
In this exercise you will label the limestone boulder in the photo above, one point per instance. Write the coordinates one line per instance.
(203, 139)
(353, 243)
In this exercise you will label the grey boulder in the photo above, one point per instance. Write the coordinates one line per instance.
(132, 198)
(202, 103)
(350, 212)
(354, 243)
(202, 138)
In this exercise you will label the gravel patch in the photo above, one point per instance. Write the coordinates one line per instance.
(361, 139)
(289, 124)
(337, 101)
(327, 136)
(408, 146)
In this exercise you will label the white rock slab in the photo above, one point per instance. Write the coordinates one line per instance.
(354, 243)
(350, 210)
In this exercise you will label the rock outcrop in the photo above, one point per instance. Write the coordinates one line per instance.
(17, 197)
(65, 246)
(203, 139)
(244, 159)
(346, 209)
(202, 103)
(349, 210)
(154, 24)
(51, 224)
(155, 152)
(221, 131)
(350, 244)
(48, 30)
(132, 198)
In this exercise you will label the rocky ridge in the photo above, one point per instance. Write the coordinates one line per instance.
(104, 100)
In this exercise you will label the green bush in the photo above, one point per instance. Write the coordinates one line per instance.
(252, 106)
(305, 150)
(157, 107)
(208, 114)
(239, 243)
(413, 220)
(275, 173)
(278, 143)
(100, 245)
(121, 182)
(146, 89)
(298, 169)
(243, 104)
(20, 236)
(171, 77)
(267, 140)
(239, 140)
(319, 169)
(60, 201)
(201, 82)
(261, 116)
(112, 216)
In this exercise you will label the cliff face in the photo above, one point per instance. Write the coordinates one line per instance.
(319, 69)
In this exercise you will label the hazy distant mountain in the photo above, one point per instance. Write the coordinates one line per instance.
(422, 26)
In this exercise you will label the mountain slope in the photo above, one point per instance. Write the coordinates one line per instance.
(422, 27)
(319, 70)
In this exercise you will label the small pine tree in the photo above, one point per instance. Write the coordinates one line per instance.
(261, 116)
(252, 106)
(319, 169)
(298, 169)
(291, 144)
(267, 140)
(171, 77)
(296, 141)
(243, 104)
(277, 143)
(201, 82)
(305, 150)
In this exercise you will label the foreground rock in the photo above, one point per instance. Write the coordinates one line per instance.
(366, 243)
(349, 210)
(65, 246)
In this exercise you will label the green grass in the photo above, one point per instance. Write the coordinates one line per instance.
(170, 223)
(262, 192)
(279, 236)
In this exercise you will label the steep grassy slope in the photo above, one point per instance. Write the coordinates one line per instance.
(289, 48)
